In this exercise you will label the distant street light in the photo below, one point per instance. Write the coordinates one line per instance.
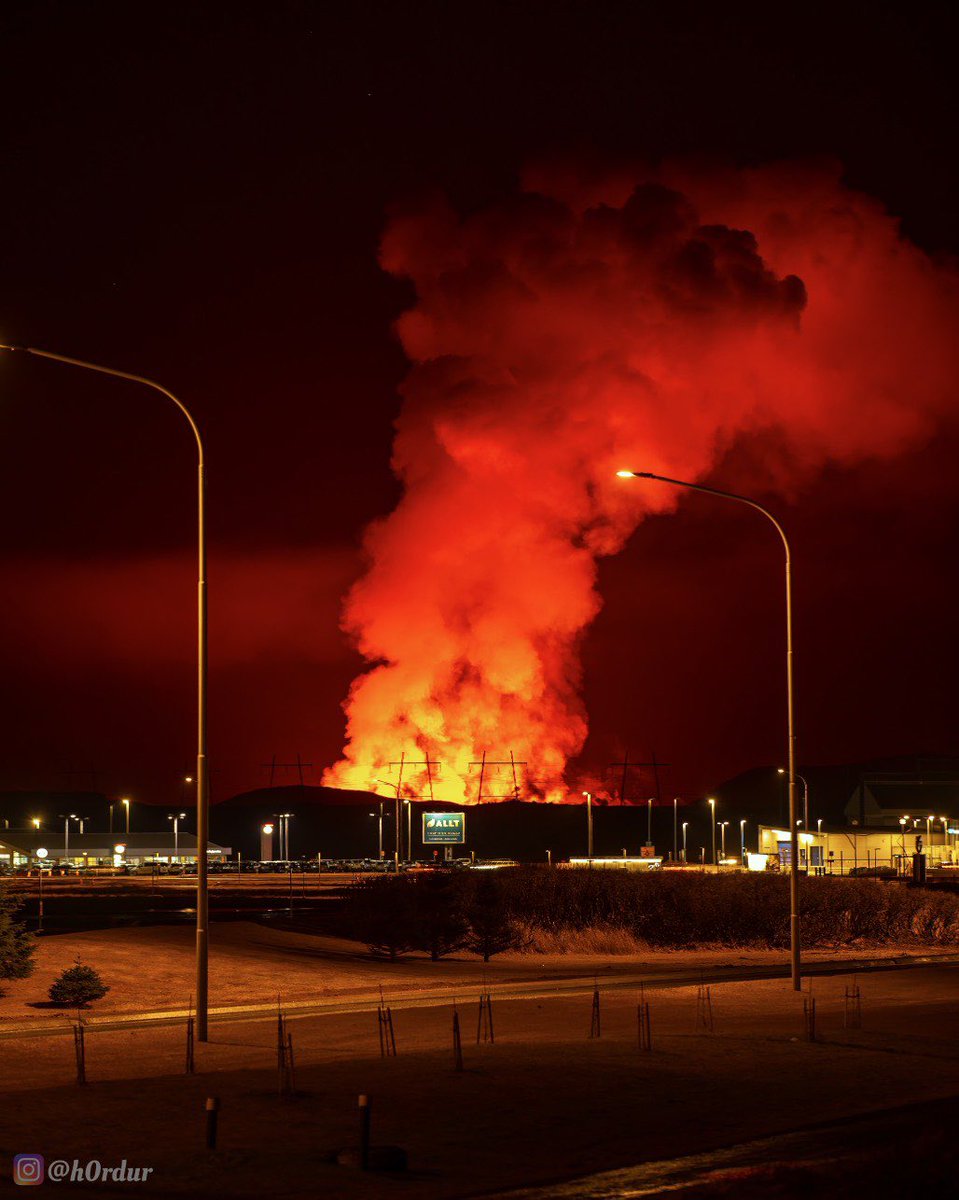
(176, 818)
(649, 821)
(126, 805)
(35, 822)
(742, 840)
(712, 820)
(589, 825)
(675, 836)
(379, 828)
(805, 794)
(203, 789)
(41, 854)
(794, 936)
(66, 835)
(409, 830)
(685, 827)
(722, 833)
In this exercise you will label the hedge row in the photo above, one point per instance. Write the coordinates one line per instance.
(666, 910)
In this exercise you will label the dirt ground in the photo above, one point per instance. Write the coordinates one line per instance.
(545, 1102)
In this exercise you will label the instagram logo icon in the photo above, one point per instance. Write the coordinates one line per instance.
(28, 1169)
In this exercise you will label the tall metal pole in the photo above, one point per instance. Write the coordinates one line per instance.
(795, 966)
(589, 824)
(675, 829)
(202, 778)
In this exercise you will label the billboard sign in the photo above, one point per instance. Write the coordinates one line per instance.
(444, 828)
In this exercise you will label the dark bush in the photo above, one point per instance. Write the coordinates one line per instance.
(491, 929)
(17, 947)
(662, 909)
(680, 909)
(439, 924)
(78, 986)
(380, 913)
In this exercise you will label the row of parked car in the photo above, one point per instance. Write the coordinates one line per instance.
(248, 867)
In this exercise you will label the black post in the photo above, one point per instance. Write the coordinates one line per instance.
(212, 1113)
(365, 1115)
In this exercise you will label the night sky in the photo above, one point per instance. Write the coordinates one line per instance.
(197, 192)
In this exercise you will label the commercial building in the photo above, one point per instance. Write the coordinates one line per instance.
(20, 847)
(838, 851)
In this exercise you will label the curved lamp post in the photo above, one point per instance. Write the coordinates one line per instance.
(202, 777)
(791, 731)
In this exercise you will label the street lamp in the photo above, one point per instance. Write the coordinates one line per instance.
(805, 795)
(685, 827)
(399, 828)
(742, 840)
(675, 819)
(66, 835)
(35, 822)
(929, 821)
(589, 825)
(722, 833)
(902, 833)
(649, 821)
(790, 713)
(409, 830)
(203, 788)
(41, 854)
(176, 818)
(712, 820)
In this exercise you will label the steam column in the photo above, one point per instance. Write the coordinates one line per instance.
(790, 713)
(202, 778)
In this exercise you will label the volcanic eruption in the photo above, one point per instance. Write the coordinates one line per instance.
(647, 319)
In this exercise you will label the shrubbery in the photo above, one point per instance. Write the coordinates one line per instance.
(17, 947)
(440, 913)
(436, 913)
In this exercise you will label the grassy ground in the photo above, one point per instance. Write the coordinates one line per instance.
(153, 968)
(544, 1103)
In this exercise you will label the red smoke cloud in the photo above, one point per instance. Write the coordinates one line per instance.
(650, 321)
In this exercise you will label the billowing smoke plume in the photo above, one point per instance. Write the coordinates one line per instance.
(648, 322)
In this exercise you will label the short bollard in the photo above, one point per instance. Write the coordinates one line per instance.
(364, 1133)
(367, 1156)
(212, 1113)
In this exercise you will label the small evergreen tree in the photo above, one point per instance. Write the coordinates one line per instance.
(379, 912)
(491, 931)
(439, 924)
(77, 986)
(17, 947)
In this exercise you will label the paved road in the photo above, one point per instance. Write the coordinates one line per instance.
(835, 1151)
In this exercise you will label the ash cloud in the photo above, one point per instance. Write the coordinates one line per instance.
(643, 319)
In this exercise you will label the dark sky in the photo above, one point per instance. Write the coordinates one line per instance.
(196, 193)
